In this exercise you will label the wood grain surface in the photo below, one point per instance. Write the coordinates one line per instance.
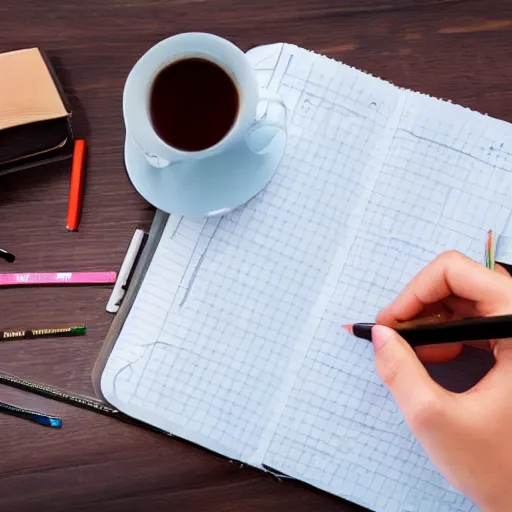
(455, 49)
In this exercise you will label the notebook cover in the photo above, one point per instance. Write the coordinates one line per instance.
(35, 123)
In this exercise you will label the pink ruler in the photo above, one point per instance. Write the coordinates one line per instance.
(32, 278)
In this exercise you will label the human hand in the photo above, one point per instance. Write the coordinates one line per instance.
(441, 311)
(466, 435)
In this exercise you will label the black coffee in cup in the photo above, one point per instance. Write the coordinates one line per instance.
(193, 104)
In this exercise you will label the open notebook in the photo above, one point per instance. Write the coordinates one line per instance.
(234, 340)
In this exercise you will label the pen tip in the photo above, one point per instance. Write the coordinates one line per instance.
(348, 328)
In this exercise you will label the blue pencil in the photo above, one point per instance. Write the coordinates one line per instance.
(27, 414)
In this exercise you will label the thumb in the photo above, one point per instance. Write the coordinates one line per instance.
(416, 393)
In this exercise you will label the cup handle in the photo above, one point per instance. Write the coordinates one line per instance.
(261, 145)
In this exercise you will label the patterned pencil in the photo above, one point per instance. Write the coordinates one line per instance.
(490, 251)
(27, 334)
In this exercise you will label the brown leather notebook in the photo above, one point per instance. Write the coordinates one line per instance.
(35, 117)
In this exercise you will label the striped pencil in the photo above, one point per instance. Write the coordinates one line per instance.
(29, 334)
(490, 251)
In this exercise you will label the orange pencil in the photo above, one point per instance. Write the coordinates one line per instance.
(76, 186)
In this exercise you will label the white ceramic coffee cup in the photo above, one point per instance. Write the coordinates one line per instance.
(136, 96)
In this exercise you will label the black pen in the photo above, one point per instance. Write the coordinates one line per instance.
(453, 331)
(7, 256)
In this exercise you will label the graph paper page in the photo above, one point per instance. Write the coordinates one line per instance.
(234, 340)
(447, 179)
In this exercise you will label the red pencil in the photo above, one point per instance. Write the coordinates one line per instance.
(76, 186)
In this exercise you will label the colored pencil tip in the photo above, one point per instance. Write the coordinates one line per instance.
(348, 328)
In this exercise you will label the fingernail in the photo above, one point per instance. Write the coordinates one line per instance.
(380, 336)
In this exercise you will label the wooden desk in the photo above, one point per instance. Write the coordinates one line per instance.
(453, 49)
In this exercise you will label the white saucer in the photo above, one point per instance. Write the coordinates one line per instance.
(208, 187)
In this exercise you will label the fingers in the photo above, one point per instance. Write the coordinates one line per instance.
(451, 274)
(435, 313)
(439, 353)
(461, 308)
(421, 399)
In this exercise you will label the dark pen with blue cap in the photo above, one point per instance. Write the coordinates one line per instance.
(27, 414)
